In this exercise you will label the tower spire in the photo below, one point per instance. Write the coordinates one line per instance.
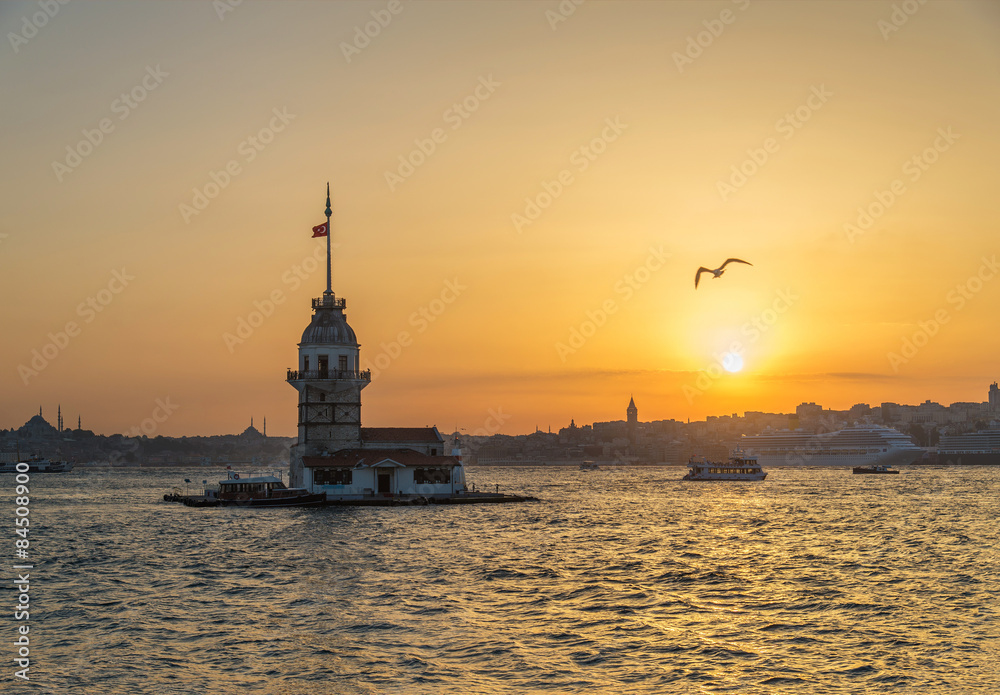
(329, 233)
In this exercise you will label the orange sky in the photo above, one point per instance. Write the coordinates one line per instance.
(575, 171)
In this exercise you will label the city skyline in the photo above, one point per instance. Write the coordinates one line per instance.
(522, 195)
(992, 404)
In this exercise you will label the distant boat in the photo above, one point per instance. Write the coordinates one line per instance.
(740, 466)
(589, 466)
(874, 470)
(37, 465)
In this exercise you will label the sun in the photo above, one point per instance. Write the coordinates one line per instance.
(732, 362)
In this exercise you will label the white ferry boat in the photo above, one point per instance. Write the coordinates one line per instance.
(36, 465)
(867, 445)
(740, 466)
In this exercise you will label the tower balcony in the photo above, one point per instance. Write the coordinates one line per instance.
(329, 375)
(329, 301)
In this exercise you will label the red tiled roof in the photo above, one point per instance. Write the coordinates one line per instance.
(349, 458)
(401, 434)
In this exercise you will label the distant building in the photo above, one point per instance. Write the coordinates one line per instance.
(929, 412)
(859, 412)
(632, 421)
(994, 400)
(251, 432)
(37, 428)
(890, 412)
(808, 411)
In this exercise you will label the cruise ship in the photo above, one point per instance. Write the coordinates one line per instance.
(853, 446)
(972, 449)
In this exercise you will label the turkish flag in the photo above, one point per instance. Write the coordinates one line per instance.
(320, 230)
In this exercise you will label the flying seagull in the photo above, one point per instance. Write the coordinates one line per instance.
(718, 271)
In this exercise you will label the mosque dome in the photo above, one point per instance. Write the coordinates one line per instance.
(37, 426)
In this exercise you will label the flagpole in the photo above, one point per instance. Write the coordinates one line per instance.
(329, 233)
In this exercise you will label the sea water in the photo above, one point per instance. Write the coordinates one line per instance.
(621, 580)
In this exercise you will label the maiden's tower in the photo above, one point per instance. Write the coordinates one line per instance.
(334, 453)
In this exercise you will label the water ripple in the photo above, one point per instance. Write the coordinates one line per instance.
(621, 581)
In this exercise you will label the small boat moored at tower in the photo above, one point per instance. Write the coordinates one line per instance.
(740, 466)
(251, 491)
(264, 491)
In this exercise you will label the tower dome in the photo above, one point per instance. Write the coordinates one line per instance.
(329, 324)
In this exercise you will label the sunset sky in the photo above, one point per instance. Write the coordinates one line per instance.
(541, 179)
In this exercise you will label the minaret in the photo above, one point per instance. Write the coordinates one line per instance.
(59, 422)
(78, 423)
(633, 420)
(265, 427)
(329, 379)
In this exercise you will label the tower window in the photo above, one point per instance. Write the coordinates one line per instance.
(342, 364)
(305, 363)
(336, 476)
(324, 365)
